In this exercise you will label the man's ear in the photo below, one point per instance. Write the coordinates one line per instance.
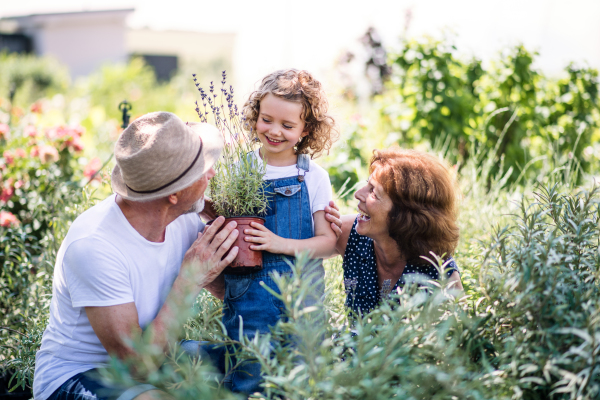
(174, 198)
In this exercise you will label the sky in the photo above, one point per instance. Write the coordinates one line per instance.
(312, 34)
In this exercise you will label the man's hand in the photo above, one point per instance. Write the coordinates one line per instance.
(203, 262)
(332, 214)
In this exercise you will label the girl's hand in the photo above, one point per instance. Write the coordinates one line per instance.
(266, 239)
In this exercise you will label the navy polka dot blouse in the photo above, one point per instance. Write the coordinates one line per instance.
(360, 273)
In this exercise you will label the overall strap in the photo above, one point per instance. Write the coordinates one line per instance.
(304, 164)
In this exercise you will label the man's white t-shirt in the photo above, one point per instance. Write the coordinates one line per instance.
(316, 179)
(104, 261)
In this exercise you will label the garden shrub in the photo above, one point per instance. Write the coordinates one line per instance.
(26, 78)
(41, 182)
(532, 333)
(434, 99)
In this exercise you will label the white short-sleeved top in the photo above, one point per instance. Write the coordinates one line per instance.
(104, 261)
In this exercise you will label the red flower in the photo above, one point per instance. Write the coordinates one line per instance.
(92, 167)
(8, 219)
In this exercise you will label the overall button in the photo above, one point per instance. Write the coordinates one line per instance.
(288, 191)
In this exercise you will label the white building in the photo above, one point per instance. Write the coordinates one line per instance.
(84, 40)
(81, 40)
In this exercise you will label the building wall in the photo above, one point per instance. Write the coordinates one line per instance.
(82, 41)
(189, 47)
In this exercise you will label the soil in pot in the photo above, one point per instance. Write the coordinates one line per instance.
(246, 261)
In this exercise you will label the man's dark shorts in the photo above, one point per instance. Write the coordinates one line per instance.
(88, 386)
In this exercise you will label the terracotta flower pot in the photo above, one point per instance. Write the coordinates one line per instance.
(246, 261)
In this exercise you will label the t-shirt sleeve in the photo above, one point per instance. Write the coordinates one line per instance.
(96, 274)
(320, 190)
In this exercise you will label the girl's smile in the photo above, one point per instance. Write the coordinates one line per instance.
(279, 127)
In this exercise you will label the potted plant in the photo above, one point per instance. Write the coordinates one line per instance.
(237, 189)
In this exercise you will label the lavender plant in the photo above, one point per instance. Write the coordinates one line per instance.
(237, 189)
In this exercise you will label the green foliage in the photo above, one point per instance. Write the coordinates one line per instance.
(527, 325)
(27, 78)
(237, 189)
(435, 98)
(41, 180)
(540, 280)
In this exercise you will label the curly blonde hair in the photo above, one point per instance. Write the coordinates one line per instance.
(300, 87)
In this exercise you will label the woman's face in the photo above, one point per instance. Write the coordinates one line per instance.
(374, 206)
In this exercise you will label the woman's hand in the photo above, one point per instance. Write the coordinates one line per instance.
(332, 215)
(266, 239)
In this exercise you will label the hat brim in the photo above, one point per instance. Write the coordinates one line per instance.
(212, 146)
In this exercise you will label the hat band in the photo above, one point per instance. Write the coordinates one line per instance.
(174, 180)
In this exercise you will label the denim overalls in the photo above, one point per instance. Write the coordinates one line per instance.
(289, 216)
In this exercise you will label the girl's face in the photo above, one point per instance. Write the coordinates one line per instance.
(279, 127)
(374, 206)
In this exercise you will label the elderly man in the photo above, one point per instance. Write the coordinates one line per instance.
(134, 260)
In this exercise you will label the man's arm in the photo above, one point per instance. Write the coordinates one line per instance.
(201, 265)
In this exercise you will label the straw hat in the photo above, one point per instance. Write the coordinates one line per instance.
(158, 154)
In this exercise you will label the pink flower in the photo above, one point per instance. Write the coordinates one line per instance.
(78, 131)
(36, 107)
(76, 144)
(8, 219)
(7, 190)
(92, 167)
(48, 154)
(35, 151)
(8, 157)
(30, 131)
(4, 130)
(20, 153)
(18, 184)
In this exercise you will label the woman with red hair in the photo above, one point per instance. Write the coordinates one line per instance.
(406, 211)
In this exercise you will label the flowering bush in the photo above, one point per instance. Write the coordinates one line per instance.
(41, 179)
(36, 162)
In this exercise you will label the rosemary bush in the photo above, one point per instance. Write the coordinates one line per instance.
(237, 189)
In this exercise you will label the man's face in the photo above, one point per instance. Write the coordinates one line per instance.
(195, 193)
(197, 207)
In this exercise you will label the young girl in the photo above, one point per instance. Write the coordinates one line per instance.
(288, 114)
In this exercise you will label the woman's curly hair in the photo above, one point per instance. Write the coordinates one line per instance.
(301, 87)
(424, 193)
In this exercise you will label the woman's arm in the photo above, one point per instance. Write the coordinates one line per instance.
(321, 245)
